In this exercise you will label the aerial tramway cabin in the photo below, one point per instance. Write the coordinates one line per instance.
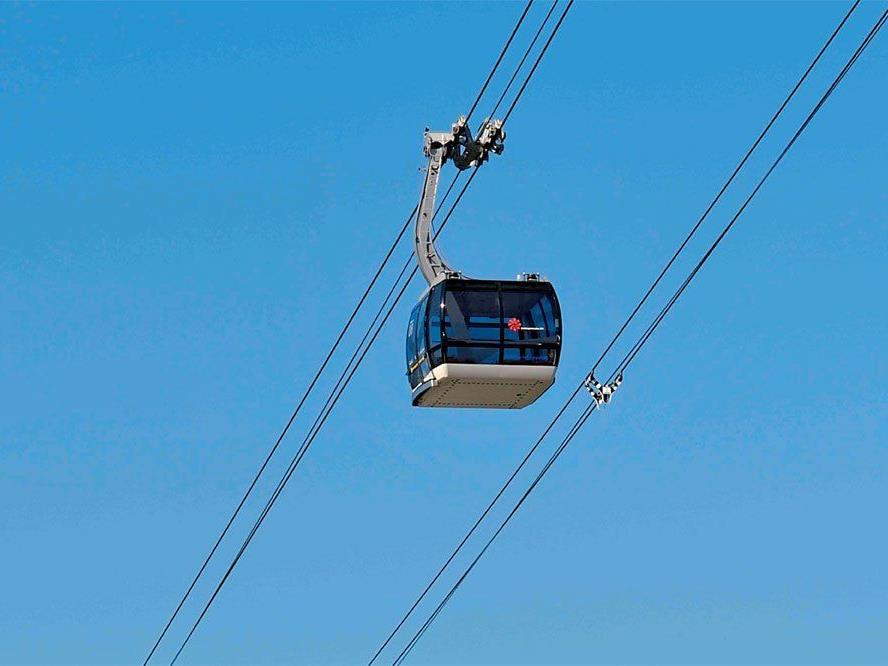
(483, 343)
(471, 342)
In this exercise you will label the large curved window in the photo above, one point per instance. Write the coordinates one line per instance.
(472, 314)
(435, 326)
(528, 317)
(412, 326)
(493, 322)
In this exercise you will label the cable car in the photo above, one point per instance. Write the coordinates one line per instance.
(472, 342)
(483, 343)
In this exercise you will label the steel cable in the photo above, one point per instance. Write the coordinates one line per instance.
(280, 438)
(533, 449)
(633, 352)
(537, 61)
(498, 61)
(306, 444)
(724, 187)
(628, 359)
(324, 364)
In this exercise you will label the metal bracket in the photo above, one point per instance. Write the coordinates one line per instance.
(468, 152)
(602, 393)
(465, 152)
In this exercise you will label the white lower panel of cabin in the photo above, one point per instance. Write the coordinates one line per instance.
(495, 386)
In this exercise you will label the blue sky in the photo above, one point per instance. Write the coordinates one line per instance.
(193, 197)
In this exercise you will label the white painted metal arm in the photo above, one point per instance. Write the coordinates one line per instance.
(458, 146)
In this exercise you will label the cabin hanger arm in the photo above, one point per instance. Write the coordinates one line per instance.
(465, 152)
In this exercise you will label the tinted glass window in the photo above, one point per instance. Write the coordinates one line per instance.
(436, 356)
(411, 333)
(529, 315)
(486, 355)
(435, 315)
(528, 356)
(472, 315)
(419, 329)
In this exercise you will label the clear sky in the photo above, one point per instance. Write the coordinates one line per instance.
(192, 198)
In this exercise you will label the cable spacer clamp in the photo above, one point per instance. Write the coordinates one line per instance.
(601, 393)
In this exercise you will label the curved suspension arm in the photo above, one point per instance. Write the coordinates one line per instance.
(458, 146)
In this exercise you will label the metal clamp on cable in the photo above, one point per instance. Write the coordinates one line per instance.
(602, 393)
(468, 152)
(465, 152)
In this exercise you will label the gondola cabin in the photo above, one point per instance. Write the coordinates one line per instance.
(483, 343)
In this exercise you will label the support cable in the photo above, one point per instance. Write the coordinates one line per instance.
(472, 529)
(498, 60)
(539, 441)
(321, 369)
(628, 320)
(537, 61)
(523, 59)
(724, 187)
(283, 433)
(581, 420)
(587, 412)
(306, 444)
(633, 352)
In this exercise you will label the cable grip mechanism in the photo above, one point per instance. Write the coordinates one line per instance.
(459, 146)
